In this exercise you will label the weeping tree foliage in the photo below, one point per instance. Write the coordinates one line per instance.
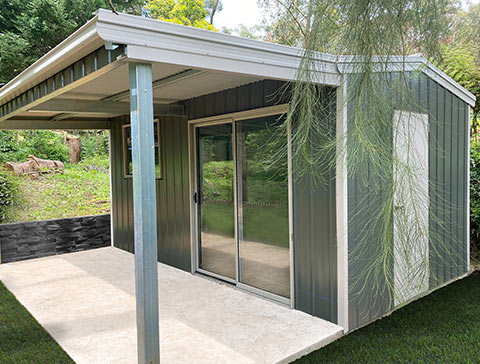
(392, 219)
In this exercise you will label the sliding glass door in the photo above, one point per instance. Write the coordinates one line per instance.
(262, 188)
(215, 200)
(242, 204)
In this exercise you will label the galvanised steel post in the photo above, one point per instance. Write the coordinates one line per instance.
(145, 212)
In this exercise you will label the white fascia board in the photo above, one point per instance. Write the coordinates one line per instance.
(353, 64)
(77, 45)
(154, 41)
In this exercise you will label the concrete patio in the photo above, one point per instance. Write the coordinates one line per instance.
(86, 301)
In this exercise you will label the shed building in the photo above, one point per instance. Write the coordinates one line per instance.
(221, 210)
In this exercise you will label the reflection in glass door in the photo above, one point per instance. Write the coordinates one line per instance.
(242, 204)
(262, 190)
(215, 200)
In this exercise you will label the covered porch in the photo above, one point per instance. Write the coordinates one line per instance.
(86, 301)
(162, 90)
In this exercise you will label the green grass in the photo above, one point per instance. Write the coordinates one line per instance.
(261, 223)
(443, 327)
(82, 189)
(22, 339)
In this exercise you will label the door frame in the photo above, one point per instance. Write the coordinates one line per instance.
(192, 151)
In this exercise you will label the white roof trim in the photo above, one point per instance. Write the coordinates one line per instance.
(156, 41)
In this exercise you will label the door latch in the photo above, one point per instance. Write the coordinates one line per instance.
(195, 197)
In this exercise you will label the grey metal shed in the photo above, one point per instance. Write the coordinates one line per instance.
(208, 92)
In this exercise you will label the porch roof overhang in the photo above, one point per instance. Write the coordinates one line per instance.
(83, 82)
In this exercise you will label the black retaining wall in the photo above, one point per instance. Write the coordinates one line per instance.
(35, 239)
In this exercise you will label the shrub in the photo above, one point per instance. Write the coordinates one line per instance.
(15, 146)
(8, 192)
(94, 144)
(46, 144)
(8, 146)
(475, 196)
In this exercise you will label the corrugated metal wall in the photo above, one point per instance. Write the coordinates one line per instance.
(173, 208)
(315, 249)
(314, 206)
(448, 138)
(250, 96)
(314, 224)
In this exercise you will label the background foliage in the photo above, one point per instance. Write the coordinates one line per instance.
(192, 13)
(475, 201)
(16, 146)
(8, 195)
(30, 28)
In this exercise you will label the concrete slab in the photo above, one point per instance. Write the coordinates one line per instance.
(86, 301)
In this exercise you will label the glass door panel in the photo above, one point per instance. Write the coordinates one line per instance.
(262, 190)
(215, 200)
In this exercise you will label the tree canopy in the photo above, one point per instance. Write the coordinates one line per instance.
(192, 13)
(460, 55)
(30, 28)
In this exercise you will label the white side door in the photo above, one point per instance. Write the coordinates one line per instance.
(411, 204)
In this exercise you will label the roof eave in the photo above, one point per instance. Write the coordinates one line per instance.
(67, 52)
(154, 41)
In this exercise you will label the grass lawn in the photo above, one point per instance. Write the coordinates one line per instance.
(443, 327)
(22, 339)
(82, 189)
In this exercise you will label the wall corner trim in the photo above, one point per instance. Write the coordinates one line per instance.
(341, 191)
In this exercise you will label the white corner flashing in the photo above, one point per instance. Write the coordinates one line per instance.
(341, 198)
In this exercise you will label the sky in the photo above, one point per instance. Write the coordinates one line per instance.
(237, 12)
(246, 12)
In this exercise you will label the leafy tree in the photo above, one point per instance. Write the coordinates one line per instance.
(285, 21)
(10, 9)
(192, 13)
(30, 28)
(242, 30)
(461, 56)
(213, 7)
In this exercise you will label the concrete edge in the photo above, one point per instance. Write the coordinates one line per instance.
(314, 347)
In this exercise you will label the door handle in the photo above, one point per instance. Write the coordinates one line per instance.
(195, 197)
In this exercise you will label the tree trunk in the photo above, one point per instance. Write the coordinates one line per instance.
(33, 166)
(73, 143)
(214, 9)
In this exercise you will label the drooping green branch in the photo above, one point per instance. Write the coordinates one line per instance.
(391, 217)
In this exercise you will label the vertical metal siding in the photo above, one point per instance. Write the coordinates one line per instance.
(172, 203)
(314, 236)
(314, 206)
(448, 158)
(315, 260)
